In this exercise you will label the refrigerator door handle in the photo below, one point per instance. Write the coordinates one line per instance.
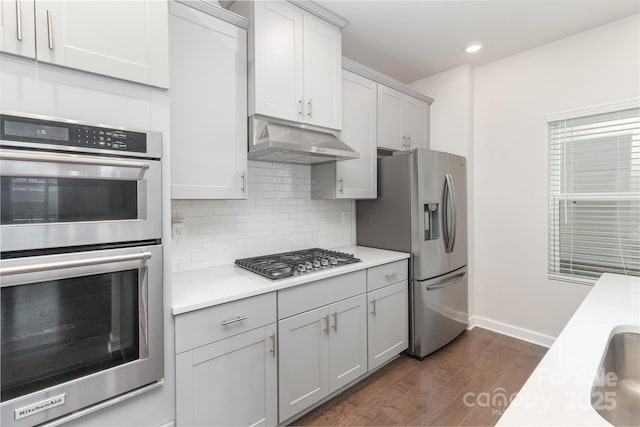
(445, 215)
(455, 279)
(454, 209)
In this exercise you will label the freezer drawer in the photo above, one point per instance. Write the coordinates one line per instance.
(439, 311)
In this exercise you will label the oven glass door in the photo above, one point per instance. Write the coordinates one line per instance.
(66, 318)
(51, 200)
(55, 331)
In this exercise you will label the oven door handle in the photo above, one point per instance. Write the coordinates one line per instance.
(25, 269)
(70, 158)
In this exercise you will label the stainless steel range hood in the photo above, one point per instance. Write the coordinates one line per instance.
(272, 140)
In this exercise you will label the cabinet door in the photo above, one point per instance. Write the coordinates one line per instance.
(322, 73)
(278, 60)
(231, 382)
(388, 323)
(416, 116)
(17, 30)
(357, 179)
(123, 39)
(390, 121)
(347, 341)
(208, 107)
(303, 361)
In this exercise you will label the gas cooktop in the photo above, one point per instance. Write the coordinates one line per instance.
(289, 264)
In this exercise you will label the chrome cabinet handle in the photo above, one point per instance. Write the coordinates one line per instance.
(244, 182)
(234, 320)
(408, 142)
(309, 110)
(273, 345)
(63, 265)
(50, 29)
(300, 105)
(373, 306)
(341, 189)
(326, 324)
(391, 275)
(18, 20)
(335, 321)
(70, 158)
(404, 142)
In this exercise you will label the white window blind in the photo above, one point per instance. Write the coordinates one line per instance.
(594, 195)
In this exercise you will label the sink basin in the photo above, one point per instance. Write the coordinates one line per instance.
(616, 390)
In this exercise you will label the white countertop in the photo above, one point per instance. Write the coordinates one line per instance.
(558, 392)
(196, 289)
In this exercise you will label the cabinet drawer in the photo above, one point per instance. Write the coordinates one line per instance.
(205, 326)
(322, 292)
(386, 274)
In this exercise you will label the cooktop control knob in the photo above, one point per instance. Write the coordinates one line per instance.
(324, 262)
(301, 268)
(308, 266)
(316, 264)
(333, 260)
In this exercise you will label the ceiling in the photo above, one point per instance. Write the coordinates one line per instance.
(409, 40)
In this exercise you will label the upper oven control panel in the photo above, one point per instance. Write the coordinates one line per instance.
(51, 133)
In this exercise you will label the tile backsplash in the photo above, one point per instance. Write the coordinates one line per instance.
(277, 216)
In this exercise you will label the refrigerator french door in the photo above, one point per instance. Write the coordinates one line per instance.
(422, 209)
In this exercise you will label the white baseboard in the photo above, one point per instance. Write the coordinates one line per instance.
(511, 331)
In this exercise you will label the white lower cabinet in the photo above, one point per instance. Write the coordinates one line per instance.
(321, 351)
(387, 323)
(231, 381)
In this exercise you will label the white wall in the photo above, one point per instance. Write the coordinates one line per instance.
(450, 115)
(277, 216)
(510, 99)
(54, 91)
(496, 113)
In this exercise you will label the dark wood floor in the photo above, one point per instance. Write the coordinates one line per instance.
(454, 386)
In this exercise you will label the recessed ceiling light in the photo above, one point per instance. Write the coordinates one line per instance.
(473, 48)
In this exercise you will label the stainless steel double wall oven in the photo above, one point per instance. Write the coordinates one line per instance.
(80, 268)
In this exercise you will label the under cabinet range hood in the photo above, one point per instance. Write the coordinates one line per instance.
(272, 140)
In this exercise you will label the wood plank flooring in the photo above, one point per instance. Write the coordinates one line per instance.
(480, 364)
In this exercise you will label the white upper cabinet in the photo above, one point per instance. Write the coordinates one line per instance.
(17, 30)
(416, 116)
(123, 39)
(390, 122)
(278, 60)
(296, 69)
(357, 179)
(322, 73)
(402, 120)
(208, 107)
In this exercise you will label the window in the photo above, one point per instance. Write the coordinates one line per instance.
(594, 193)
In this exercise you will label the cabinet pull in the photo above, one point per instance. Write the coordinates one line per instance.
(391, 275)
(273, 345)
(300, 105)
(404, 142)
(19, 20)
(326, 324)
(373, 307)
(408, 142)
(309, 110)
(50, 29)
(335, 321)
(244, 182)
(234, 320)
(341, 189)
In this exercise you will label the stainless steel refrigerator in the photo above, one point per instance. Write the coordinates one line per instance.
(422, 209)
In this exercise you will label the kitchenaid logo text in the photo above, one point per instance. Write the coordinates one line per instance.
(37, 407)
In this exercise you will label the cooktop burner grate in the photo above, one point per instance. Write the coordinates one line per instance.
(289, 264)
